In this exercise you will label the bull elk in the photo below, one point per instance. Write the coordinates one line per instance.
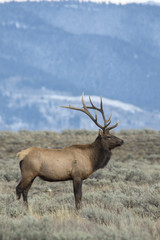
(75, 163)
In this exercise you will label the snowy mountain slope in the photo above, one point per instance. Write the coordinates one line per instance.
(51, 52)
(70, 46)
(41, 110)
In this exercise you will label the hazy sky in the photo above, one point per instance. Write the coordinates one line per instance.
(107, 1)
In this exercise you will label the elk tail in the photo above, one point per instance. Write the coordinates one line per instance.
(21, 155)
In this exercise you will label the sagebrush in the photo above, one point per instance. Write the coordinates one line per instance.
(120, 201)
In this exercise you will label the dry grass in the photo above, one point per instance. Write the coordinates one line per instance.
(121, 201)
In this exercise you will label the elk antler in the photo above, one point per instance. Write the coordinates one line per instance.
(85, 110)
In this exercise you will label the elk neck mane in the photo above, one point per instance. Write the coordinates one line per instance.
(100, 156)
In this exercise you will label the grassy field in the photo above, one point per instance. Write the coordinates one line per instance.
(121, 201)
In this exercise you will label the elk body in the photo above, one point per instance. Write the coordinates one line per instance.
(75, 163)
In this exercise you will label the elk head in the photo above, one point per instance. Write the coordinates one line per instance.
(107, 140)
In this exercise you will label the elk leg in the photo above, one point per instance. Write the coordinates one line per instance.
(77, 187)
(18, 190)
(23, 188)
(25, 193)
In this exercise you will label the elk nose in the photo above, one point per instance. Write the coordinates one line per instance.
(122, 142)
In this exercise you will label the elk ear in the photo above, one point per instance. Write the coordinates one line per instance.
(100, 133)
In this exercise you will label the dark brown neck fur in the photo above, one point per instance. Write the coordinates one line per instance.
(100, 157)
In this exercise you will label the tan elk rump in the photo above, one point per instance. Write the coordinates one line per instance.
(76, 162)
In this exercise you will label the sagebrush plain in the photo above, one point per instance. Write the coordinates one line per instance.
(121, 201)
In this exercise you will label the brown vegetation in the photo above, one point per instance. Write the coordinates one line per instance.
(121, 201)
